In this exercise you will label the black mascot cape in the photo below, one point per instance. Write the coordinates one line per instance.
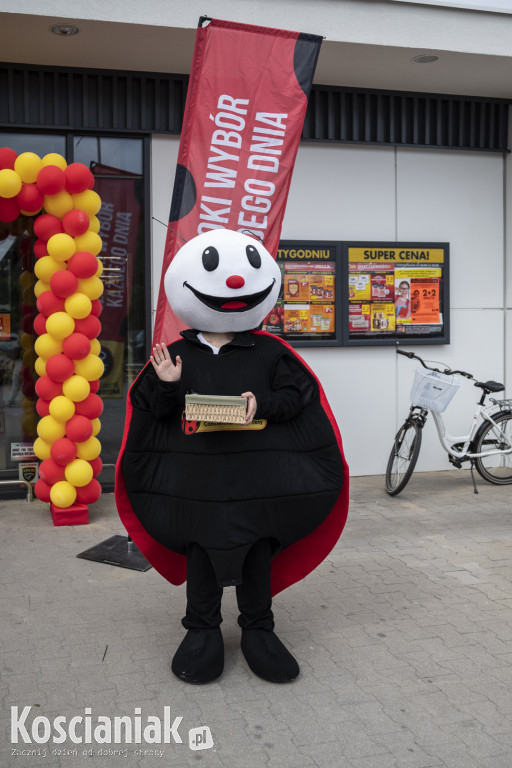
(281, 478)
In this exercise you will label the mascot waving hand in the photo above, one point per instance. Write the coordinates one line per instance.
(256, 505)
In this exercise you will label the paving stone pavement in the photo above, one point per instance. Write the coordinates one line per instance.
(404, 637)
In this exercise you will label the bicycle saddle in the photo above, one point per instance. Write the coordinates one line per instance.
(490, 386)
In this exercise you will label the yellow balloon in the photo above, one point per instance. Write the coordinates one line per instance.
(99, 271)
(89, 450)
(31, 213)
(96, 427)
(95, 224)
(27, 279)
(10, 183)
(63, 494)
(29, 296)
(61, 246)
(78, 305)
(46, 266)
(89, 241)
(27, 406)
(91, 367)
(28, 424)
(53, 158)
(91, 286)
(60, 325)
(49, 429)
(95, 347)
(29, 358)
(46, 346)
(28, 165)
(26, 341)
(88, 201)
(59, 204)
(62, 408)
(78, 472)
(40, 366)
(40, 287)
(76, 388)
(41, 449)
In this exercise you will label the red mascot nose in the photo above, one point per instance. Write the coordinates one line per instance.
(235, 281)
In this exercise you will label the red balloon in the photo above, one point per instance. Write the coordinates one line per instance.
(51, 179)
(9, 209)
(94, 385)
(7, 158)
(40, 248)
(90, 326)
(76, 222)
(83, 264)
(97, 466)
(78, 428)
(39, 324)
(29, 198)
(51, 472)
(59, 367)
(97, 307)
(26, 373)
(29, 389)
(63, 451)
(78, 178)
(45, 226)
(42, 490)
(47, 388)
(76, 346)
(91, 407)
(88, 494)
(48, 303)
(27, 323)
(63, 283)
(43, 407)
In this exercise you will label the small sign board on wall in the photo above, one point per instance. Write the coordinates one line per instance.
(395, 293)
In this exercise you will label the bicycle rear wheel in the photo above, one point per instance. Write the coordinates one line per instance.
(495, 469)
(403, 456)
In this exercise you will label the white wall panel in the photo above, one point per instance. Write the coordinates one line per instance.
(164, 154)
(341, 192)
(344, 192)
(457, 197)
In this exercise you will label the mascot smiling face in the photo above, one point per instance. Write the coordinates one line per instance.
(222, 281)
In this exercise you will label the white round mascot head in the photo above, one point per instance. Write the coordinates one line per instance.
(222, 281)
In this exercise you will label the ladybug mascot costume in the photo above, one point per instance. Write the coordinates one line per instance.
(256, 506)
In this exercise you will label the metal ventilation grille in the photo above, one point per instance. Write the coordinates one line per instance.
(406, 119)
(146, 102)
(117, 101)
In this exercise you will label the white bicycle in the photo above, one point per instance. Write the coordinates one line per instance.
(487, 446)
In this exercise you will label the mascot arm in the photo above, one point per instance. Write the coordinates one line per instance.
(284, 401)
(162, 398)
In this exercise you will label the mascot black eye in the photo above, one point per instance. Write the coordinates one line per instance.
(210, 258)
(253, 256)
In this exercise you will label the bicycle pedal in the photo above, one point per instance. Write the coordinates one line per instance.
(454, 461)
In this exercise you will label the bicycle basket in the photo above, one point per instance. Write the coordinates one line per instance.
(433, 390)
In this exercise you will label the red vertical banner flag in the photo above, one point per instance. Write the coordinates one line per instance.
(245, 109)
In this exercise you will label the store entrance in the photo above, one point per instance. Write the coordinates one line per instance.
(118, 166)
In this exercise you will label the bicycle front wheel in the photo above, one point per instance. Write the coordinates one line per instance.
(497, 468)
(403, 457)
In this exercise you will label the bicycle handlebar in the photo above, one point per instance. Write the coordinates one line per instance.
(447, 371)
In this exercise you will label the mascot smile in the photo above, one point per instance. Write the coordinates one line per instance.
(256, 506)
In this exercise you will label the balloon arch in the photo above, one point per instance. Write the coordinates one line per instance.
(62, 309)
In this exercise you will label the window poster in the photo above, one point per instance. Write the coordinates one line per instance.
(395, 292)
(305, 312)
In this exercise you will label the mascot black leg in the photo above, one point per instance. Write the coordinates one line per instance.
(265, 654)
(200, 657)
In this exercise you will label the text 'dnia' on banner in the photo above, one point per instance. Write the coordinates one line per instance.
(245, 109)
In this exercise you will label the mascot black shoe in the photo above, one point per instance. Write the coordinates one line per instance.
(267, 657)
(185, 486)
(200, 656)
